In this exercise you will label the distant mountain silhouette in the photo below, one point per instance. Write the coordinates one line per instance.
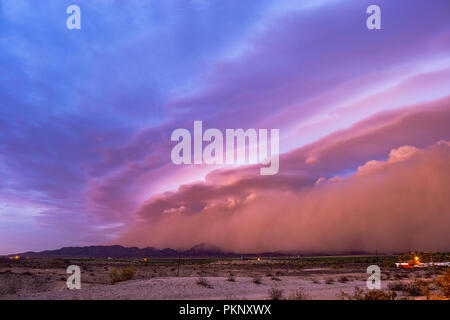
(115, 251)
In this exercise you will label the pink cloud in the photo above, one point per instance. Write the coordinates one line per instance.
(401, 203)
(402, 206)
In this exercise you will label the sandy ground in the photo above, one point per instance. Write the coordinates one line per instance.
(46, 279)
(187, 288)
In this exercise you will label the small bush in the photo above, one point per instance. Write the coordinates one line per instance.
(380, 295)
(204, 283)
(344, 279)
(257, 280)
(274, 278)
(123, 274)
(430, 274)
(396, 286)
(359, 294)
(275, 294)
(401, 275)
(443, 283)
(413, 289)
(231, 279)
(329, 281)
(298, 295)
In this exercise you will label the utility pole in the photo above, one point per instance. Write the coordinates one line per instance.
(178, 272)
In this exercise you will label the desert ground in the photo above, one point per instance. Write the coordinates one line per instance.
(296, 278)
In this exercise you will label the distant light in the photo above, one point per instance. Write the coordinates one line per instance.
(145, 259)
(259, 259)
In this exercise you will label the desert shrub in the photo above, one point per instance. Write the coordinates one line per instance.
(380, 295)
(430, 274)
(204, 283)
(275, 278)
(344, 279)
(443, 284)
(316, 281)
(114, 275)
(124, 274)
(231, 279)
(256, 280)
(298, 295)
(329, 281)
(413, 289)
(401, 275)
(396, 286)
(275, 294)
(359, 294)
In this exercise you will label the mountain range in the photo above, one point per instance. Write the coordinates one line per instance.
(117, 251)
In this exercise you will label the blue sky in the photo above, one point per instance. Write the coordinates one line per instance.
(86, 115)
